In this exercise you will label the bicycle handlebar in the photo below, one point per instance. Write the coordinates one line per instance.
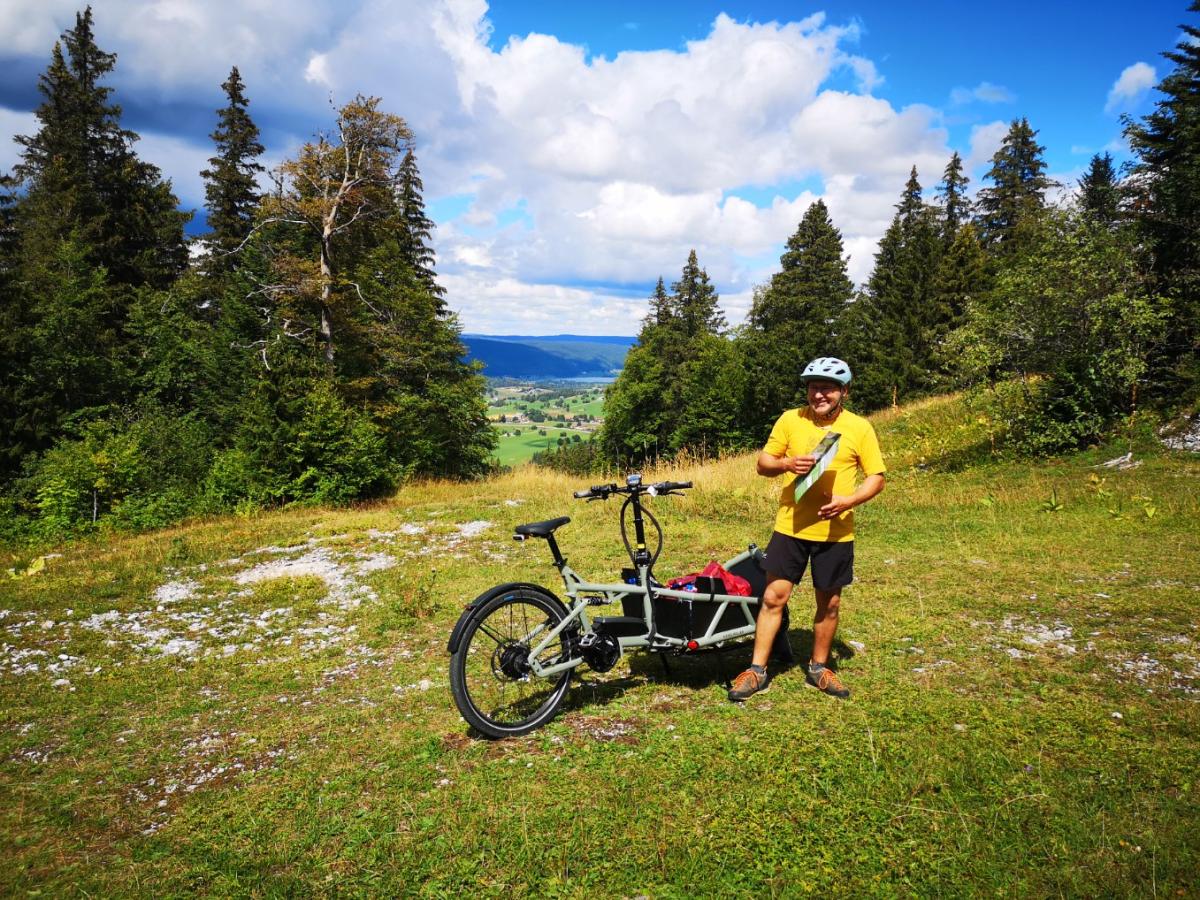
(664, 487)
(604, 491)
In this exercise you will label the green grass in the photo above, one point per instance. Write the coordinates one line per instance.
(1025, 718)
(515, 449)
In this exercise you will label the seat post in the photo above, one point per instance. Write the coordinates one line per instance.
(558, 557)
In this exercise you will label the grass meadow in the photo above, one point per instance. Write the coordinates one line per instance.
(259, 706)
(514, 449)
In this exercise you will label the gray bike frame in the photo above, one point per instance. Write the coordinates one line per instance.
(585, 593)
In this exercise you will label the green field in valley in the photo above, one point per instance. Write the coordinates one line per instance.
(260, 706)
(552, 407)
(516, 448)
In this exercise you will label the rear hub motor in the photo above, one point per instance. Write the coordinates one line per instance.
(511, 661)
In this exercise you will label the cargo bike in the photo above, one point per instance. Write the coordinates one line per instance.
(515, 646)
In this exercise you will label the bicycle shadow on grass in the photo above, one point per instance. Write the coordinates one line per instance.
(590, 690)
(698, 671)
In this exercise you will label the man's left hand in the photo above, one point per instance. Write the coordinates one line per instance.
(835, 507)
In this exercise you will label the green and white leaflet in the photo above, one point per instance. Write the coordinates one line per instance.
(824, 452)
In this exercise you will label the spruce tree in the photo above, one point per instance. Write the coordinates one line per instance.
(1165, 187)
(952, 195)
(1018, 191)
(797, 316)
(357, 333)
(660, 315)
(417, 228)
(694, 301)
(647, 409)
(637, 420)
(712, 384)
(231, 191)
(1099, 192)
(811, 289)
(962, 278)
(81, 177)
(327, 212)
(91, 229)
(897, 322)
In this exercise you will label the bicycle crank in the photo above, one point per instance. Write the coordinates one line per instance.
(600, 651)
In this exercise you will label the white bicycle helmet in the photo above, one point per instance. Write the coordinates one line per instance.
(827, 368)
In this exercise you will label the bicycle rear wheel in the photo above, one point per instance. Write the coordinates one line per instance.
(490, 676)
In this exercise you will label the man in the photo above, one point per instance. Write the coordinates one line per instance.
(817, 530)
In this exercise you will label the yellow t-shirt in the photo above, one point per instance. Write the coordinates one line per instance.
(796, 434)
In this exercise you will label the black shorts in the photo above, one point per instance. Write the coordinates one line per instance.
(832, 563)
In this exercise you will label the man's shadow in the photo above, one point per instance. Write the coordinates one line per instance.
(719, 666)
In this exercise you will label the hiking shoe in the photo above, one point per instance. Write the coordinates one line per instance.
(748, 684)
(825, 679)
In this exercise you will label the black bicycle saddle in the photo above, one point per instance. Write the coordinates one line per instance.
(541, 529)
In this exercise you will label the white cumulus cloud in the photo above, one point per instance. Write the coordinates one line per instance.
(985, 141)
(984, 92)
(1133, 82)
(12, 124)
(574, 171)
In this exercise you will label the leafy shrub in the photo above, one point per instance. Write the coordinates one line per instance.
(574, 458)
(234, 478)
(1073, 319)
(336, 455)
(138, 468)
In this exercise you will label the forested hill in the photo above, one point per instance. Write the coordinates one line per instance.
(549, 356)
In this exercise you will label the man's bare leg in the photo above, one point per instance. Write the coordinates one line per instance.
(775, 598)
(825, 624)
(754, 680)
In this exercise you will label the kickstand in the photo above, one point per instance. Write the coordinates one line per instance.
(662, 654)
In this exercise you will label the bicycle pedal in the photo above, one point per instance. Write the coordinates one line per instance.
(588, 640)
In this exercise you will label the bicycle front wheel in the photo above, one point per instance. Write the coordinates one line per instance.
(491, 678)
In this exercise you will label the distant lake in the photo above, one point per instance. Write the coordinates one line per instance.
(546, 379)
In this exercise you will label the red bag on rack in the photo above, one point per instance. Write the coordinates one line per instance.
(734, 584)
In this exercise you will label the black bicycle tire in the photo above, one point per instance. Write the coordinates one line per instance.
(472, 714)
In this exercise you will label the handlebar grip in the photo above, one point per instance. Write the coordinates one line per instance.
(595, 491)
(672, 485)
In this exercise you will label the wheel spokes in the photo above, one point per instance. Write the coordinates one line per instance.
(497, 678)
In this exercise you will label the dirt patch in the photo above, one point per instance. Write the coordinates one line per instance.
(34, 755)
(597, 728)
(665, 703)
(207, 761)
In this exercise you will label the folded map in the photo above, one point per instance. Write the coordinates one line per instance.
(824, 452)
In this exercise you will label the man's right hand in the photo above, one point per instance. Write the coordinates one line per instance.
(777, 465)
(799, 465)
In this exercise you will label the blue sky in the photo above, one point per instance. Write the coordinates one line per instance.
(1054, 62)
(572, 153)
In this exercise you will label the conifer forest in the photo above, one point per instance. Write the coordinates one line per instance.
(303, 350)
